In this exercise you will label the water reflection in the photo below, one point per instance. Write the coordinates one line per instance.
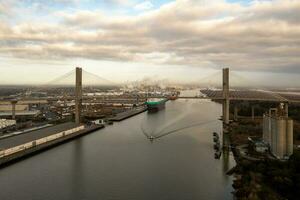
(179, 116)
(77, 170)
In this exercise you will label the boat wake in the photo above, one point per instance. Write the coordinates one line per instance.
(182, 128)
(161, 134)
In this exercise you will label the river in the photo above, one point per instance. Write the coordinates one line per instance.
(119, 162)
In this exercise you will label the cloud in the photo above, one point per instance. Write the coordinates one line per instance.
(6, 8)
(261, 36)
(120, 2)
(146, 5)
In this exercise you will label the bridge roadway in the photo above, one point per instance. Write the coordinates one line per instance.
(248, 95)
(243, 95)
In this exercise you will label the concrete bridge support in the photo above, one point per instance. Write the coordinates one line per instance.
(286, 109)
(13, 108)
(226, 101)
(78, 95)
(236, 113)
(252, 112)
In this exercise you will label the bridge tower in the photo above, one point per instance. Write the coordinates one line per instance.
(226, 101)
(78, 95)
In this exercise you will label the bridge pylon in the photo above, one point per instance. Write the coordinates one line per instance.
(78, 95)
(226, 100)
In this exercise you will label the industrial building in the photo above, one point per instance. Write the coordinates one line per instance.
(278, 132)
(27, 109)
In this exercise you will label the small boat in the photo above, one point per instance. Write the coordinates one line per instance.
(217, 146)
(215, 134)
(151, 138)
(109, 122)
(216, 139)
(218, 154)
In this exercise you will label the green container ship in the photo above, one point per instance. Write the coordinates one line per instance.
(156, 104)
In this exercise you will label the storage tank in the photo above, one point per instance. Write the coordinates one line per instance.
(273, 137)
(266, 129)
(289, 137)
(281, 138)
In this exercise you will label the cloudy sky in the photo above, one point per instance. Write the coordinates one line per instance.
(121, 40)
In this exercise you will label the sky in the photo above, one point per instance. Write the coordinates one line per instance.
(127, 40)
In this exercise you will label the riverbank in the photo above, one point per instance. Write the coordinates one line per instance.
(127, 114)
(257, 175)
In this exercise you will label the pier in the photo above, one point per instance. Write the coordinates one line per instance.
(127, 114)
(20, 146)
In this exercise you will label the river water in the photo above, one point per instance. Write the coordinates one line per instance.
(119, 162)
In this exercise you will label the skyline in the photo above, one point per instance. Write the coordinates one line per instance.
(121, 40)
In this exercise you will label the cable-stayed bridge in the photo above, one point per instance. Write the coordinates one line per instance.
(210, 84)
(226, 94)
(211, 89)
(88, 78)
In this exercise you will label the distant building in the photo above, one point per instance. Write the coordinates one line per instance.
(31, 114)
(278, 133)
(26, 109)
(8, 108)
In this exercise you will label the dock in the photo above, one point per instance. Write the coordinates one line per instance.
(129, 113)
(23, 145)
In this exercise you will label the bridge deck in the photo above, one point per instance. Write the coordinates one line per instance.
(249, 95)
